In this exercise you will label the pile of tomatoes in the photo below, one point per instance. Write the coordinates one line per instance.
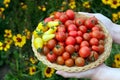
(78, 41)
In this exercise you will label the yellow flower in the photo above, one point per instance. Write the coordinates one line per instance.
(2, 9)
(8, 41)
(117, 58)
(33, 60)
(72, 5)
(106, 2)
(115, 4)
(32, 70)
(48, 71)
(4, 46)
(115, 17)
(1, 48)
(19, 40)
(118, 14)
(117, 65)
(86, 4)
(8, 33)
(6, 1)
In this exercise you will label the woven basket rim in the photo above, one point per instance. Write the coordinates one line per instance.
(100, 60)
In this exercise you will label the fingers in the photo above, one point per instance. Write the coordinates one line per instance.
(85, 74)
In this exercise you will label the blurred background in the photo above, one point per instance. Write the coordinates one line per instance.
(19, 18)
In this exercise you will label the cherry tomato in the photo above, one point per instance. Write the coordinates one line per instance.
(70, 14)
(63, 18)
(68, 22)
(95, 48)
(60, 60)
(80, 33)
(86, 36)
(101, 49)
(72, 27)
(61, 28)
(51, 57)
(96, 34)
(93, 56)
(82, 28)
(79, 61)
(57, 15)
(46, 50)
(95, 28)
(58, 50)
(66, 55)
(91, 22)
(48, 19)
(51, 43)
(60, 36)
(94, 41)
(77, 47)
(84, 43)
(84, 51)
(69, 62)
(73, 33)
(70, 40)
(79, 21)
(78, 39)
(70, 49)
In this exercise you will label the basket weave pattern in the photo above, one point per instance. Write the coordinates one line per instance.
(100, 60)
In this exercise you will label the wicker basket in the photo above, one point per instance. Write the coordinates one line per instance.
(101, 59)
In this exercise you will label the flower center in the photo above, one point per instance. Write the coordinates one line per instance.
(114, 2)
(19, 39)
(48, 70)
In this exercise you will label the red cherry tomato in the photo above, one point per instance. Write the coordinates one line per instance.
(69, 62)
(78, 39)
(63, 18)
(82, 28)
(60, 60)
(91, 22)
(58, 50)
(72, 27)
(95, 48)
(51, 57)
(94, 41)
(84, 43)
(79, 61)
(70, 49)
(70, 14)
(73, 33)
(48, 19)
(68, 22)
(66, 55)
(70, 40)
(79, 21)
(86, 36)
(60, 36)
(61, 28)
(57, 15)
(80, 33)
(51, 43)
(84, 51)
